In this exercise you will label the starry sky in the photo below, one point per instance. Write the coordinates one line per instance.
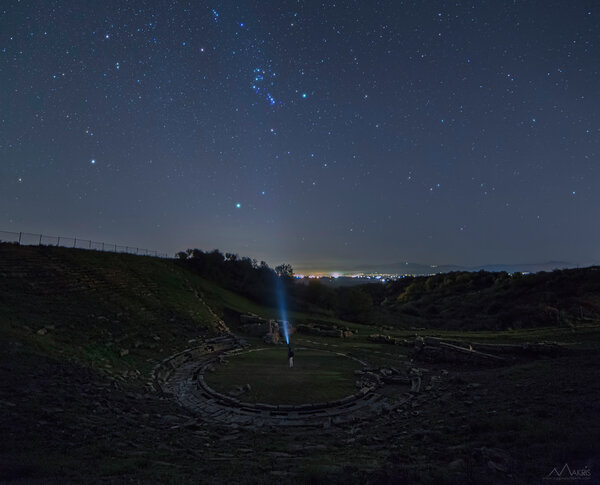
(323, 134)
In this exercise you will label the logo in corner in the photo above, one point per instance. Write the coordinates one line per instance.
(566, 473)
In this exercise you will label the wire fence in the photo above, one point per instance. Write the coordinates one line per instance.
(28, 239)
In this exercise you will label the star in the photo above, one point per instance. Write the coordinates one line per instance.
(392, 117)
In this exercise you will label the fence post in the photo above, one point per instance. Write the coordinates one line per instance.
(58, 241)
(20, 238)
(102, 246)
(40, 241)
(74, 241)
(90, 244)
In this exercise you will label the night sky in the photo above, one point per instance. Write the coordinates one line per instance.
(323, 134)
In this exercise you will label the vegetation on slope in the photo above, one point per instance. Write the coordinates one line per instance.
(485, 300)
(459, 300)
(120, 312)
(116, 312)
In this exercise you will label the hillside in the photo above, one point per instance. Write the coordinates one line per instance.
(483, 300)
(115, 312)
(122, 312)
(464, 300)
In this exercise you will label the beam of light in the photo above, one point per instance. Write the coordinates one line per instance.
(282, 309)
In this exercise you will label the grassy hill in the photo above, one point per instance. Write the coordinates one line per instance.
(122, 313)
(118, 313)
(482, 300)
(114, 312)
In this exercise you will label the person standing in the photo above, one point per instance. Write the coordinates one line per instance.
(290, 356)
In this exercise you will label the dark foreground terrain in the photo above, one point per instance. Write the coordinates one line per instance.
(81, 332)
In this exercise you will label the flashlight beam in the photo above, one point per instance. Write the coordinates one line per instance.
(282, 309)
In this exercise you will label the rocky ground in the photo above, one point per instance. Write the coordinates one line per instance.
(513, 424)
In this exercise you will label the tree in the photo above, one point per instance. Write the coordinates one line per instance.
(284, 270)
(319, 295)
(354, 303)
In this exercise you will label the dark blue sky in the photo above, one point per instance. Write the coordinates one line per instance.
(318, 133)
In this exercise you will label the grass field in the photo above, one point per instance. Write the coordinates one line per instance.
(317, 376)
(115, 312)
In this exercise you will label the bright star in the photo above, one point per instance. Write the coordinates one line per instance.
(238, 205)
(93, 161)
(304, 95)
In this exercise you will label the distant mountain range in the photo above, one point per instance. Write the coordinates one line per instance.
(426, 269)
